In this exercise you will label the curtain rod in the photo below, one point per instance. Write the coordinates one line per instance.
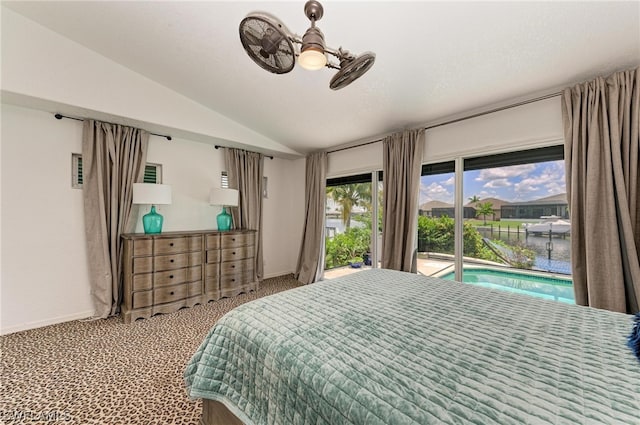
(60, 116)
(218, 147)
(453, 121)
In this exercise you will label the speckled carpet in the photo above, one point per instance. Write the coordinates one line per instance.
(106, 372)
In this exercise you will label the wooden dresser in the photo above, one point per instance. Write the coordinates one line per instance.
(165, 272)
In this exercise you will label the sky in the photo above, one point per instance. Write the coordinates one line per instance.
(517, 183)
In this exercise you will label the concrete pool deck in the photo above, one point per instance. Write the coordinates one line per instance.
(426, 266)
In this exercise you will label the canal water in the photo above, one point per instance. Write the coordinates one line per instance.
(560, 261)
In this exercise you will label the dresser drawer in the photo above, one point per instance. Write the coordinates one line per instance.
(169, 277)
(213, 256)
(213, 242)
(195, 258)
(239, 253)
(142, 281)
(230, 267)
(142, 299)
(143, 264)
(194, 273)
(176, 245)
(170, 262)
(211, 285)
(234, 280)
(194, 288)
(142, 247)
(170, 293)
(212, 270)
(232, 240)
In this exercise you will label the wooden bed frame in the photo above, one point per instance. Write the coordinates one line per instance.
(216, 413)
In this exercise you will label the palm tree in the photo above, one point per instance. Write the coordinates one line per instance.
(349, 196)
(474, 199)
(483, 210)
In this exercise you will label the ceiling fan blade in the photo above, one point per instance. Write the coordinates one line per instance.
(252, 38)
(351, 70)
(267, 43)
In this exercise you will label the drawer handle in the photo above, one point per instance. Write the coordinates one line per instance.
(171, 293)
(172, 260)
(234, 253)
(233, 280)
(233, 266)
(170, 276)
(233, 239)
(171, 244)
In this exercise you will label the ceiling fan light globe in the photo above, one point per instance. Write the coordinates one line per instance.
(312, 59)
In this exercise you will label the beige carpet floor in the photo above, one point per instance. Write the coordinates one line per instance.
(107, 372)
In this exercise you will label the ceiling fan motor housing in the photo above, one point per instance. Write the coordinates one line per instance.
(270, 42)
(313, 39)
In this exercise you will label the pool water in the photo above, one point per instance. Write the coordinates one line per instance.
(550, 288)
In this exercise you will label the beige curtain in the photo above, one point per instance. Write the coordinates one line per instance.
(113, 158)
(601, 121)
(402, 161)
(245, 173)
(311, 258)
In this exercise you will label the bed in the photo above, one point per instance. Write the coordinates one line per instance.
(386, 347)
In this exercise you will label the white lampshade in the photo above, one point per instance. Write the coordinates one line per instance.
(151, 193)
(312, 59)
(224, 197)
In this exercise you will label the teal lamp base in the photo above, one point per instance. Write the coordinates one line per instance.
(224, 220)
(152, 222)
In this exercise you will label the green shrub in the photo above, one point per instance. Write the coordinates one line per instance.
(436, 234)
(518, 254)
(342, 248)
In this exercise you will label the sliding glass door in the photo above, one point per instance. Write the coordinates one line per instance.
(515, 225)
(352, 220)
(520, 208)
(436, 218)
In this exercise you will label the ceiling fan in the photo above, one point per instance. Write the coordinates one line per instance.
(271, 45)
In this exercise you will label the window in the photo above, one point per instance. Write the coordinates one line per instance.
(513, 215)
(152, 172)
(514, 197)
(224, 180)
(224, 183)
(436, 220)
(352, 208)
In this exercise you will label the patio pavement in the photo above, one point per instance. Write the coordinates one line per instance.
(426, 266)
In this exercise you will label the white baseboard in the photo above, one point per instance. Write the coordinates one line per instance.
(46, 322)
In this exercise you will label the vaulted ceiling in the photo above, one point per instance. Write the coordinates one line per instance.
(433, 59)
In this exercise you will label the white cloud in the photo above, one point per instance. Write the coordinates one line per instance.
(505, 172)
(526, 186)
(450, 181)
(497, 183)
(435, 192)
(551, 178)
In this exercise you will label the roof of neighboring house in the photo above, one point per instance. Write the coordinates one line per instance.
(497, 203)
(560, 198)
(428, 206)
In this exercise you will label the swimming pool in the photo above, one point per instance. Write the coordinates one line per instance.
(551, 288)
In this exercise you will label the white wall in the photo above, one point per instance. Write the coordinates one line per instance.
(43, 264)
(39, 64)
(44, 271)
(528, 126)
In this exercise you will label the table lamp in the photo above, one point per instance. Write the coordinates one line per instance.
(226, 198)
(152, 194)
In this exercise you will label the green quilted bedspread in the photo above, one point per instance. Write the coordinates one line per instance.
(385, 347)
